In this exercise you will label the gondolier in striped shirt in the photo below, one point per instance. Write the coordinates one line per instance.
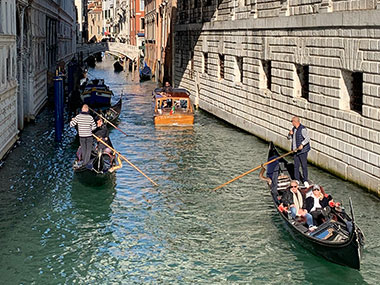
(300, 142)
(86, 125)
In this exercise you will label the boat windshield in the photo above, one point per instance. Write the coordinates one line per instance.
(167, 104)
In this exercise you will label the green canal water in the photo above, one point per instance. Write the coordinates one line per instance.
(55, 230)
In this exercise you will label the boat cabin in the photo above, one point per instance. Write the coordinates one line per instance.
(173, 108)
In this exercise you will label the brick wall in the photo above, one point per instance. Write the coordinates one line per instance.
(335, 49)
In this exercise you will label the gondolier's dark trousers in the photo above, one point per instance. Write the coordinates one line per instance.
(300, 160)
(86, 146)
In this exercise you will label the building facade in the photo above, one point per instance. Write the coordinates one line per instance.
(159, 36)
(35, 38)
(82, 21)
(121, 21)
(256, 63)
(8, 76)
(95, 21)
(137, 22)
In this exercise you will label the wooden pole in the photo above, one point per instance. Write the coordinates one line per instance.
(108, 122)
(254, 169)
(123, 157)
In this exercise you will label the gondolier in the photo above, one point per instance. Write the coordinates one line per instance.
(301, 143)
(86, 125)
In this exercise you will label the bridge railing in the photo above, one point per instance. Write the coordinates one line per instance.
(85, 50)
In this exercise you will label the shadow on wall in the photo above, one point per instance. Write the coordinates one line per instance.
(191, 15)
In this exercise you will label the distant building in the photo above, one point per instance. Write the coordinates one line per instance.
(121, 21)
(8, 76)
(95, 21)
(159, 20)
(82, 20)
(108, 15)
(137, 22)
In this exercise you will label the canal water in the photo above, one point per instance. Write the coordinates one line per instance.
(55, 230)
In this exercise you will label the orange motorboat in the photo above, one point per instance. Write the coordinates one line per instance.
(173, 107)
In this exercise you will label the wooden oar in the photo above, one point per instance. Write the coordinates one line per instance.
(105, 120)
(123, 157)
(254, 169)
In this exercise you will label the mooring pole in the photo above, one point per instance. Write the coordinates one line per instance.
(58, 104)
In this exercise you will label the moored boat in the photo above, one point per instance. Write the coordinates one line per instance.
(118, 67)
(145, 73)
(173, 107)
(338, 239)
(96, 93)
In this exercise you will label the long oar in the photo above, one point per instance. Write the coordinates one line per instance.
(254, 169)
(108, 122)
(123, 157)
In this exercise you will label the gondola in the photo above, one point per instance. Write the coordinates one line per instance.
(145, 73)
(101, 167)
(96, 93)
(117, 66)
(338, 239)
(112, 113)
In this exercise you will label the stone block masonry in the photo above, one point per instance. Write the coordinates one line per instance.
(318, 59)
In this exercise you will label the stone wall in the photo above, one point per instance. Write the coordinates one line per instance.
(8, 83)
(323, 67)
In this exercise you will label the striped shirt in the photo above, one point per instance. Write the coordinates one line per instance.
(86, 124)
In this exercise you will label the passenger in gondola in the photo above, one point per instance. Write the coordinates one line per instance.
(294, 200)
(318, 204)
(103, 133)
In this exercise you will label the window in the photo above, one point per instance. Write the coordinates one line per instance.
(221, 66)
(191, 64)
(265, 74)
(303, 79)
(142, 23)
(352, 91)
(180, 61)
(141, 5)
(356, 101)
(205, 63)
(238, 69)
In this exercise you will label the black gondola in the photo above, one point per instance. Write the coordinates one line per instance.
(112, 113)
(99, 168)
(338, 239)
(118, 67)
(145, 73)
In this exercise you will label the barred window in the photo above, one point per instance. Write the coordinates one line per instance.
(221, 66)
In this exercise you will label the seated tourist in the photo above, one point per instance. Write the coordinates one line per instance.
(317, 203)
(103, 133)
(294, 200)
(164, 104)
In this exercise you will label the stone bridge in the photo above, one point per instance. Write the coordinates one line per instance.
(114, 48)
